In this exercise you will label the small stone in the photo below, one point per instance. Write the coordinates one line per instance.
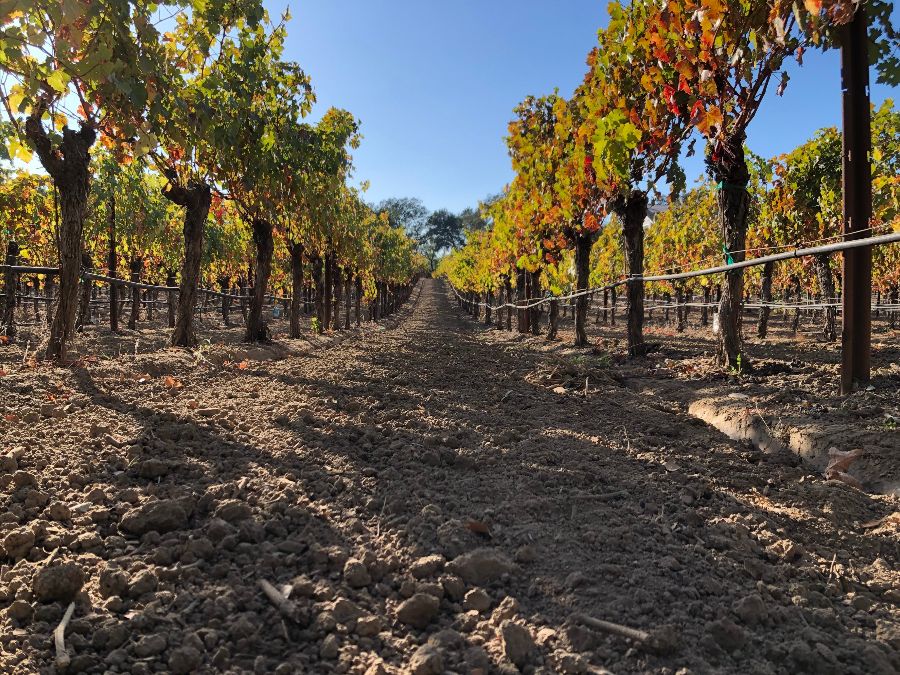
(477, 599)
(60, 582)
(19, 610)
(58, 511)
(355, 574)
(426, 660)
(185, 660)
(481, 566)
(517, 643)
(18, 543)
(330, 647)
(419, 610)
(727, 634)
(150, 645)
(233, 510)
(427, 566)
(165, 515)
(751, 609)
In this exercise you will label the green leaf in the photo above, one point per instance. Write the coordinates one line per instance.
(59, 80)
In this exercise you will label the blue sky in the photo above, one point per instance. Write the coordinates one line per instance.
(434, 85)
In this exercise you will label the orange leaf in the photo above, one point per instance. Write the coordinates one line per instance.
(243, 365)
(478, 527)
(172, 383)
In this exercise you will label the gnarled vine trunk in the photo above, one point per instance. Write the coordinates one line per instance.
(765, 297)
(731, 173)
(257, 330)
(583, 244)
(553, 326)
(196, 198)
(69, 167)
(534, 294)
(296, 251)
(632, 210)
(822, 265)
(136, 265)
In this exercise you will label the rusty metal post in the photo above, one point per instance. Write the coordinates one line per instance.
(11, 281)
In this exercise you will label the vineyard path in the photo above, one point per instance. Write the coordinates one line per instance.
(439, 437)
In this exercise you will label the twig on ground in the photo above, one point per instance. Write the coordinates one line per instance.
(281, 603)
(59, 639)
(610, 627)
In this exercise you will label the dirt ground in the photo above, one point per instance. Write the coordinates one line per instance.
(431, 496)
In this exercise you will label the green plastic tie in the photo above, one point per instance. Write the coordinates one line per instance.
(722, 185)
(728, 259)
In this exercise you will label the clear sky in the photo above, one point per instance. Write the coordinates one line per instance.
(434, 85)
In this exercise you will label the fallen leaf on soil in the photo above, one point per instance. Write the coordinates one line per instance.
(11, 417)
(890, 519)
(841, 461)
(242, 365)
(478, 527)
(844, 477)
(171, 383)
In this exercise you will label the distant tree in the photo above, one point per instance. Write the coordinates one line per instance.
(478, 218)
(406, 212)
(443, 231)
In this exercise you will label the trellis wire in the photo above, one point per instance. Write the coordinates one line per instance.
(753, 262)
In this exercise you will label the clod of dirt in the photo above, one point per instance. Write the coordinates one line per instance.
(233, 510)
(23, 479)
(19, 610)
(481, 566)
(419, 610)
(426, 660)
(355, 574)
(185, 660)
(150, 645)
(18, 543)
(112, 582)
(60, 582)
(144, 582)
(517, 643)
(727, 634)
(161, 516)
(153, 468)
(8, 464)
(751, 609)
(58, 511)
(426, 566)
(330, 648)
(477, 599)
